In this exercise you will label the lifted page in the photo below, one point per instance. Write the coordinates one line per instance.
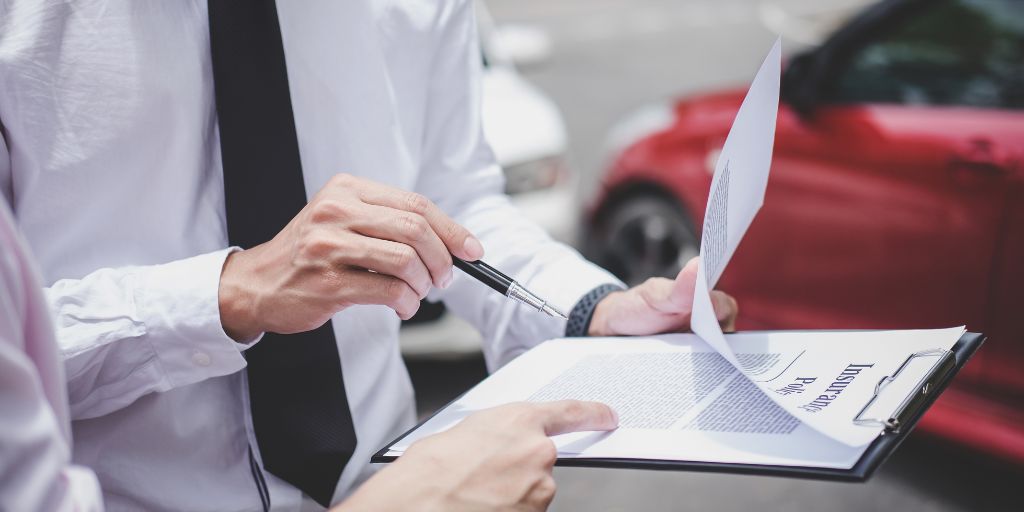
(851, 364)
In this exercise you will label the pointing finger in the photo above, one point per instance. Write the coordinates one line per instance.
(576, 416)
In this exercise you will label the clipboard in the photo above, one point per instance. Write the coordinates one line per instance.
(897, 423)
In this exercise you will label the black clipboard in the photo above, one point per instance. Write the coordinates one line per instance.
(896, 427)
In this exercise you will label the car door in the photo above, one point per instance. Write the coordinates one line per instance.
(1004, 369)
(888, 199)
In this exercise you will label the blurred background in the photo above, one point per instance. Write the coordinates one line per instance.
(896, 201)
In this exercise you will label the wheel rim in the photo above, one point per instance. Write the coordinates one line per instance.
(647, 238)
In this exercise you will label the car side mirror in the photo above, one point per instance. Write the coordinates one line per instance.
(800, 85)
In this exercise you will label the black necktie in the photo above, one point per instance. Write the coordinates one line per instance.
(299, 409)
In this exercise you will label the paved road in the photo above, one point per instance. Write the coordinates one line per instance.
(611, 57)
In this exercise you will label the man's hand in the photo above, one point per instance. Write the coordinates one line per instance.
(498, 459)
(356, 242)
(658, 305)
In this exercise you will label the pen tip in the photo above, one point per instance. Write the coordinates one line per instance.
(554, 312)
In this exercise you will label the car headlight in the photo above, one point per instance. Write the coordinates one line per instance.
(536, 174)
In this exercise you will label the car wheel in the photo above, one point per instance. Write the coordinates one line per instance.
(641, 237)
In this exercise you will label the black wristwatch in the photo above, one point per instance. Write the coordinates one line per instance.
(583, 312)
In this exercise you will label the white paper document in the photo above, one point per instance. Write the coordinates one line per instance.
(784, 398)
(680, 399)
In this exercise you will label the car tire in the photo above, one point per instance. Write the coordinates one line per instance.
(643, 236)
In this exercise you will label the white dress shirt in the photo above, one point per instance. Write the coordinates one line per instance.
(35, 430)
(111, 160)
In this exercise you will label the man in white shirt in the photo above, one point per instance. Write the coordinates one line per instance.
(111, 157)
(457, 470)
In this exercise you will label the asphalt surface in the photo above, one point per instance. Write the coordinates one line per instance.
(611, 57)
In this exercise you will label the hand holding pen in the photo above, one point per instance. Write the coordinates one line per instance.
(355, 242)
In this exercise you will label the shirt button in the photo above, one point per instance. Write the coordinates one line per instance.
(201, 358)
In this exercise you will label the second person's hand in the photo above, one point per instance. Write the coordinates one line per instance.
(356, 242)
(498, 459)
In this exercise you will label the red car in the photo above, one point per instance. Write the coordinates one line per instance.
(896, 197)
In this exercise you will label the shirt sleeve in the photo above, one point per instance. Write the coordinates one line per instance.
(126, 332)
(35, 469)
(461, 175)
(35, 452)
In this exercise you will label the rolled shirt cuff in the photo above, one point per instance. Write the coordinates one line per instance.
(178, 304)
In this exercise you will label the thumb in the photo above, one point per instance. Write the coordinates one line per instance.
(576, 416)
(681, 296)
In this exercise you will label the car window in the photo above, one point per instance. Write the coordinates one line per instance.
(955, 52)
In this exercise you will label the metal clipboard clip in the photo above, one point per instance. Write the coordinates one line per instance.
(909, 403)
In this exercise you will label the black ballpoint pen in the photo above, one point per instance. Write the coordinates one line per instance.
(505, 285)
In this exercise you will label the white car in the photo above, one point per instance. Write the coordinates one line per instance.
(528, 135)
